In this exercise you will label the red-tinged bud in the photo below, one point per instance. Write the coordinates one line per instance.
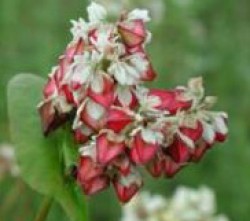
(118, 119)
(131, 103)
(88, 170)
(82, 135)
(50, 88)
(133, 33)
(51, 119)
(179, 151)
(92, 35)
(127, 187)
(193, 133)
(220, 125)
(199, 151)
(67, 59)
(149, 75)
(156, 167)
(95, 185)
(108, 150)
(123, 165)
(106, 96)
(220, 137)
(65, 90)
(171, 168)
(170, 100)
(141, 151)
(73, 50)
(136, 49)
(93, 115)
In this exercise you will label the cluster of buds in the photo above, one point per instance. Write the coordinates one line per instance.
(185, 205)
(119, 124)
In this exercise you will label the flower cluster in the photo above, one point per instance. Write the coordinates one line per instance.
(120, 124)
(185, 205)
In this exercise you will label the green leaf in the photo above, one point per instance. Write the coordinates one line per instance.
(40, 158)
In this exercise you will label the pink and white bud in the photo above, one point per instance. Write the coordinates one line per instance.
(107, 149)
(133, 33)
(126, 187)
(118, 119)
(143, 150)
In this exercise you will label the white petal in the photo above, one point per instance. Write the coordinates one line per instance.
(187, 140)
(220, 125)
(152, 137)
(89, 150)
(139, 62)
(139, 14)
(97, 84)
(124, 95)
(95, 110)
(82, 73)
(119, 72)
(208, 133)
(96, 12)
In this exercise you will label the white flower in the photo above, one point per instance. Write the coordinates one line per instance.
(124, 73)
(96, 12)
(186, 205)
(129, 70)
(221, 218)
(151, 136)
(191, 205)
(147, 102)
(88, 150)
(80, 29)
(139, 62)
(133, 178)
(153, 203)
(95, 110)
(8, 162)
(220, 125)
(208, 132)
(139, 14)
(84, 67)
(124, 95)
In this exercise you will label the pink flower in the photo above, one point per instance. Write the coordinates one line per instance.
(127, 187)
(142, 152)
(107, 149)
(122, 126)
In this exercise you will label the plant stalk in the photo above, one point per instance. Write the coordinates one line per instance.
(44, 210)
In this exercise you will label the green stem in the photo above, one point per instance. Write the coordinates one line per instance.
(12, 197)
(44, 209)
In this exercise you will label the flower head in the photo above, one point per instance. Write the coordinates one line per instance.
(119, 124)
(185, 205)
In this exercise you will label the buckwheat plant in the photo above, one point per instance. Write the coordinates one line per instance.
(120, 124)
(186, 204)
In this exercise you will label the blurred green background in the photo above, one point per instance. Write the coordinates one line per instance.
(209, 38)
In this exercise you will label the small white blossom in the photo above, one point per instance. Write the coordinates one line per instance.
(124, 73)
(151, 136)
(139, 14)
(80, 29)
(84, 67)
(124, 95)
(8, 164)
(96, 12)
(186, 205)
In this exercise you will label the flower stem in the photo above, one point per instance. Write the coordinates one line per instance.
(44, 209)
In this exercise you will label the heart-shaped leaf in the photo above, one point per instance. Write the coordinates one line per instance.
(40, 158)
